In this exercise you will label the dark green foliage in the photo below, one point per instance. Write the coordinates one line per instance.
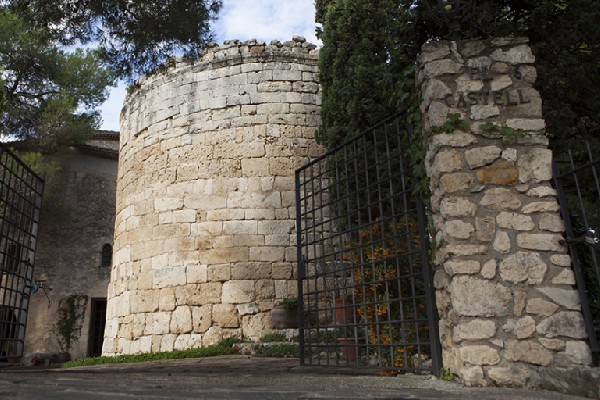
(502, 130)
(369, 50)
(289, 303)
(565, 38)
(224, 347)
(454, 121)
(362, 64)
(134, 35)
(273, 337)
(51, 94)
(291, 350)
(70, 320)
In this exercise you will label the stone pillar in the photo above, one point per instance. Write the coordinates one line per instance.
(505, 285)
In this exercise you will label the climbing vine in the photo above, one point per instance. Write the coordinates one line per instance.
(71, 312)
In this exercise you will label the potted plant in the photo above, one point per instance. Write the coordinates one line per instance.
(285, 314)
(67, 329)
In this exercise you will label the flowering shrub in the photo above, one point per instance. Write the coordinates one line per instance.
(389, 290)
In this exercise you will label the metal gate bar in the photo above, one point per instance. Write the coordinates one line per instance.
(364, 280)
(578, 189)
(20, 202)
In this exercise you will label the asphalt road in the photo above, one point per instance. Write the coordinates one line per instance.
(236, 377)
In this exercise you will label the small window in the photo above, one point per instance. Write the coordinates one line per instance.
(106, 255)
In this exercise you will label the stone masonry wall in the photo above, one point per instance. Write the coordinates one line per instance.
(204, 232)
(505, 287)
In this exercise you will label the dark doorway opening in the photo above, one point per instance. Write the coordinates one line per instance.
(97, 322)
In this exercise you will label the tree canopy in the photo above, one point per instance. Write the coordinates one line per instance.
(50, 86)
(359, 79)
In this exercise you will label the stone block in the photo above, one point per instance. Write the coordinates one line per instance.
(447, 161)
(523, 267)
(238, 291)
(144, 301)
(521, 54)
(488, 271)
(457, 207)
(502, 242)
(481, 156)
(535, 165)
(526, 124)
(551, 222)
(201, 318)
(441, 67)
(474, 330)
(540, 241)
(251, 271)
(481, 112)
(499, 173)
(575, 353)
(566, 323)
(196, 273)
(169, 277)
(513, 376)
(528, 351)
(157, 323)
(475, 297)
(472, 376)
(479, 355)
(225, 316)
(561, 260)
(565, 277)
(181, 320)
(568, 298)
(539, 306)
(500, 199)
(462, 267)
(452, 183)
(166, 299)
(541, 207)
(219, 272)
(257, 325)
(515, 221)
(485, 228)
(519, 302)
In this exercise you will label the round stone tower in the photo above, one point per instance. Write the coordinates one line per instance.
(205, 226)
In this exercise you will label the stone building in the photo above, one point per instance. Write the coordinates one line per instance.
(205, 220)
(74, 248)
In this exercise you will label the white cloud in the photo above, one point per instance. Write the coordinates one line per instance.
(264, 20)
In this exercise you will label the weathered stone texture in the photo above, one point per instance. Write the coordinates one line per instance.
(206, 204)
(503, 279)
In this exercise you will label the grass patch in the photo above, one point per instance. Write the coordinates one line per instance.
(279, 350)
(273, 337)
(224, 347)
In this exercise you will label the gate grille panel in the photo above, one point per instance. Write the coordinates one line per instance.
(364, 280)
(20, 202)
(578, 186)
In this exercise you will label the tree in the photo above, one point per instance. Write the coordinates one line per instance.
(365, 64)
(50, 92)
(134, 35)
(565, 39)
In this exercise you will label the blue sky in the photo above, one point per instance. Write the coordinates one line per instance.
(264, 20)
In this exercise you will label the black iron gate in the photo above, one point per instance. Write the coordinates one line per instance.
(578, 188)
(20, 202)
(364, 280)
